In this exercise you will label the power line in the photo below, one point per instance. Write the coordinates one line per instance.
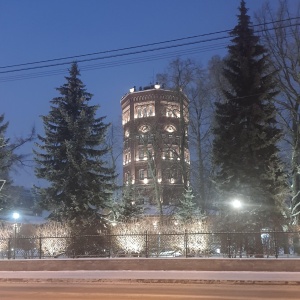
(128, 61)
(116, 55)
(115, 50)
(140, 46)
(117, 63)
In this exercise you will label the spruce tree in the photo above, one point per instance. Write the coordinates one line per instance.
(246, 134)
(129, 208)
(186, 209)
(70, 156)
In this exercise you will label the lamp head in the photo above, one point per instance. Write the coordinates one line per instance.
(236, 203)
(16, 216)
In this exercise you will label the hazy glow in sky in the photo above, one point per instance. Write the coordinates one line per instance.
(34, 30)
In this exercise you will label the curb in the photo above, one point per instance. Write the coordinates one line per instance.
(155, 264)
(158, 281)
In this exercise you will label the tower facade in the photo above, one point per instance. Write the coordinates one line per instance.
(155, 152)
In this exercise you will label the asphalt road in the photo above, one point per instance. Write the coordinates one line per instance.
(144, 291)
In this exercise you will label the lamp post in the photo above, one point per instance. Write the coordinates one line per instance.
(237, 204)
(15, 216)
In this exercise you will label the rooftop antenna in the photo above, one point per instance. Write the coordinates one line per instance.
(153, 76)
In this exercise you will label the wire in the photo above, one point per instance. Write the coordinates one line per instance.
(116, 55)
(143, 45)
(118, 62)
(115, 50)
(125, 62)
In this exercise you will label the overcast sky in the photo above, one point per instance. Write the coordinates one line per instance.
(38, 30)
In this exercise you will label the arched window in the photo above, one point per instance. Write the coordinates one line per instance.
(141, 174)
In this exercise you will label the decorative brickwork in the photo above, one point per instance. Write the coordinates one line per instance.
(155, 154)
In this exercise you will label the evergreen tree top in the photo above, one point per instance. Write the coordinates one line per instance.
(243, 33)
(243, 20)
(246, 67)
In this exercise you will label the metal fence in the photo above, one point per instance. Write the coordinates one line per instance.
(148, 244)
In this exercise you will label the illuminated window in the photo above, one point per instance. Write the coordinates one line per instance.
(127, 157)
(126, 116)
(170, 128)
(143, 111)
(144, 128)
(126, 176)
(150, 110)
(139, 112)
(172, 111)
(141, 153)
(171, 175)
(141, 174)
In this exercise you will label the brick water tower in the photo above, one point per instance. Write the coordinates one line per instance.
(156, 157)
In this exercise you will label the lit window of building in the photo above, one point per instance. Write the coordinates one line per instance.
(151, 111)
(144, 111)
(141, 174)
(126, 177)
(126, 116)
(170, 128)
(141, 153)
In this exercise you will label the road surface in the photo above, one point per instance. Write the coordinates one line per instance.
(144, 291)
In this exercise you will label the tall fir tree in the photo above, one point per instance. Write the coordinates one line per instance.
(71, 156)
(245, 149)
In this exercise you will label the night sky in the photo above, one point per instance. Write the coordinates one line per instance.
(37, 30)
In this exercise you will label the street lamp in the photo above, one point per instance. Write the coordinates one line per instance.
(15, 216)
(236, 203)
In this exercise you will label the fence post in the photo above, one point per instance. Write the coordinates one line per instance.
(240, 238)
(73, 245)
(40, 247)
(146, 242)
(275, 244)
(109, 243)
(185, 243)
(229, 244)
(9, 249)
(15, 244)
